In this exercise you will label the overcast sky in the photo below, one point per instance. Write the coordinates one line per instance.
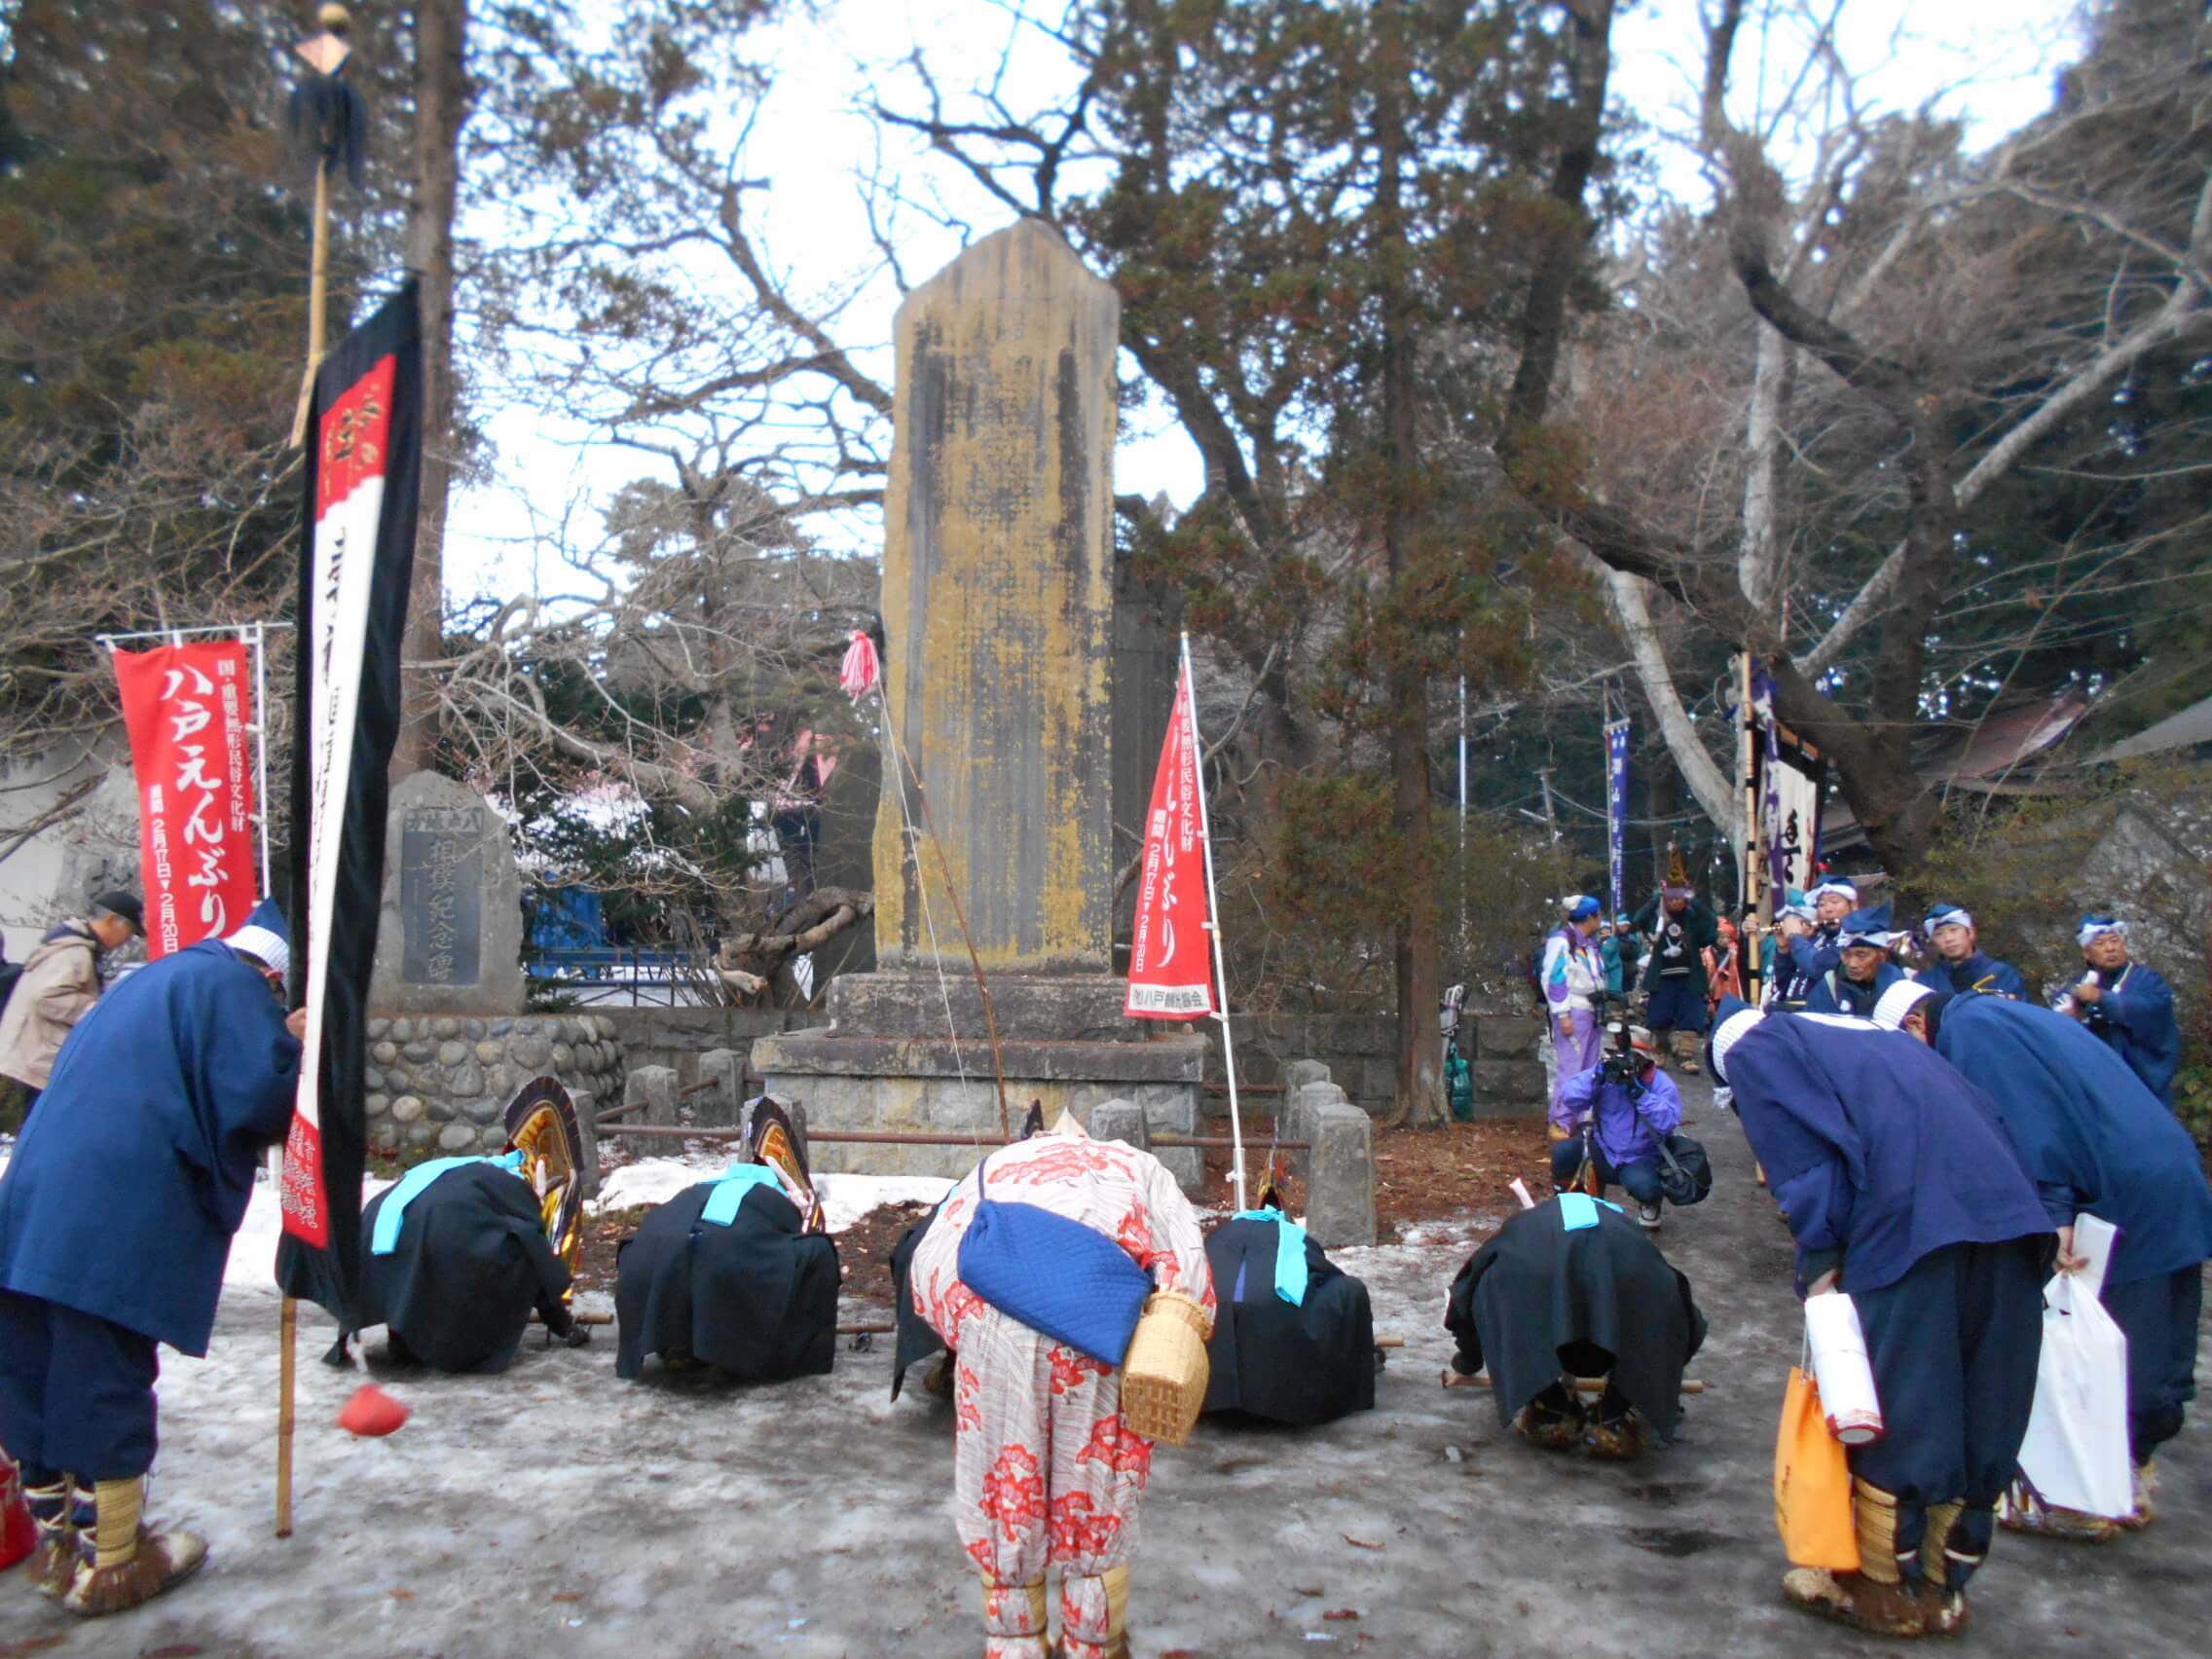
(1990, 61)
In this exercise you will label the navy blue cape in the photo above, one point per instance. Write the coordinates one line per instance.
(1875, 1147)
(1980, 974)
(135, 1169)
(2092, 1137)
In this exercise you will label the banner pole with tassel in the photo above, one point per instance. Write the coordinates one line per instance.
(1213, 926)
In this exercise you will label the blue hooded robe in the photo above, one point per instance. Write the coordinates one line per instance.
(2092, 1137)
(1834, 993)
(2135, 1015)
(1878, 1151)
(135, 1172)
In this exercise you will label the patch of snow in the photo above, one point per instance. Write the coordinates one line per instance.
(253, 1252)
(846, 1199)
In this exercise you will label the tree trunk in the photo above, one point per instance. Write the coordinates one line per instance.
(1419, 943)
(442, 102)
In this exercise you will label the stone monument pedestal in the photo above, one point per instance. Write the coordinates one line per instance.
(886, 1063)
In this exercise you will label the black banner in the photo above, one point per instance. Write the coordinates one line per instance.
(357, 559)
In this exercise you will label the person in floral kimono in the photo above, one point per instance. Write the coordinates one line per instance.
(1044, 1472)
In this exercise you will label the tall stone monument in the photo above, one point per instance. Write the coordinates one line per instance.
(998, 607)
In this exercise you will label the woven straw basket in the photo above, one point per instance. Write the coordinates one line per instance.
(1163, 1379)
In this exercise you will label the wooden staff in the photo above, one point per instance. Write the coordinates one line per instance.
(287, 1351)
(1582, 1384)
(318, 300)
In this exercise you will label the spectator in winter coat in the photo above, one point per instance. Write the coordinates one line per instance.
(1572, 977)
(59, 985)
(1629, 1117)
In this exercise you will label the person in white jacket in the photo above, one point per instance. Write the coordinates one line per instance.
(1573, 976)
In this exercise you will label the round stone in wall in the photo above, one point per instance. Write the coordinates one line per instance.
(445, 1026)
(408, 1108)
(482, 1111)
(489, 1051)
(384, 1053)
(457, 1137)
(451, 1053)
(376, 1105)
(466, 1080)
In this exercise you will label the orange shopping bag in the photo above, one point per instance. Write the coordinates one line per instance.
(1812, 1483)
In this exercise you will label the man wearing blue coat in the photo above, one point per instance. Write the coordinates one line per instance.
(1960, 963)
(1899, 1186)
(2126, 1004)
(2096, 1142)
(116, 1218)
(1863, 970)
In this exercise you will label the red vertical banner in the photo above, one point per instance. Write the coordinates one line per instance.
(188, 709)
(1171, 956)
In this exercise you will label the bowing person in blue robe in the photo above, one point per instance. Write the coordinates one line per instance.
(2125, 1004)
(116, 1218)
(1898, 1184)
(2096, 1142)
(1863, 970)
(1960, 965)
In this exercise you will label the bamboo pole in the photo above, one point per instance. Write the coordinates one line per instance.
(287, 1353)
(318, 300)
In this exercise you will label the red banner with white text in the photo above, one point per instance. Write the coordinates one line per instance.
(189, 709)
(1171, 956)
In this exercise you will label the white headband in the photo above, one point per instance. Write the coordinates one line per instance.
(1731, 1032)
(2092, 926)
(1897, 1002)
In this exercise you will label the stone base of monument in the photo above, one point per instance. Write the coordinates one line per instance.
(889, 1063)
(442, 1082)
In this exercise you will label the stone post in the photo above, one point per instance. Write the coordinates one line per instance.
(587, 1135)
(1299, 1120)
(717, 1107)
(655, 1086)
(1339, 1195)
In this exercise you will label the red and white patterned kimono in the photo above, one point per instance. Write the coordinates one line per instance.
(1043, 1471)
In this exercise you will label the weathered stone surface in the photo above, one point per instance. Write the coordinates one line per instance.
(384, 1053)
(1509, 1088)
(401, 1030)
(466, 1079)
(397, 1080)
(409, 1108)
(472, 1028)
(563, 1060)
(483, 1112)
(1172, 1059)
(375, 1105)
(1299, 1073)
(1339, 1194)
(587, 1129)
(379, 1028)
(385, 1136)
(1120, 1120)
(655, 1086)
(1507, 1036)
(1298, 1121)
(998, 600)
(445, 1028)
(420, 1053)
(1082, 1006)
(490, 1052)
(529, 1050)
(439, 1110)
(457, 1137)
(372, 1078)
(449, 936)
(452, 1053)
(717, 1107)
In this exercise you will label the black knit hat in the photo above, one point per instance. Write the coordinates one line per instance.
(116, 902)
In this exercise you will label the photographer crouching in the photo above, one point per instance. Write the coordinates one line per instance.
(1615, 1124)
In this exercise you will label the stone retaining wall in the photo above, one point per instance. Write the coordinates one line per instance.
(676, 1037)
(1361, 1053)
(442, 1083)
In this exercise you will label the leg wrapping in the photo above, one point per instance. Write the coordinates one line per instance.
(125, 1566)
(1095, 1613)
(1014, 1620)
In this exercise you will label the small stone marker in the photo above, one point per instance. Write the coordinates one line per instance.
(449, 939)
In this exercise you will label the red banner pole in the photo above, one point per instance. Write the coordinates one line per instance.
(1190, 692)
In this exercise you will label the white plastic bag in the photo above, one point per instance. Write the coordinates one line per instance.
(2076, 1453)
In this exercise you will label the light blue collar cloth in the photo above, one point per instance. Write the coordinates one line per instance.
(729, 1192)
(1577, 1210)
(413, 1185)
(1290, 1253)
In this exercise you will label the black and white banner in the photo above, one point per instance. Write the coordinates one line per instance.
(363, 481)
(1790, 776)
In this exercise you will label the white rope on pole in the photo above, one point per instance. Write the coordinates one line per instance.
(1213, 926)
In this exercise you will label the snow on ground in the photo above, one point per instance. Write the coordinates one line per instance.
(556, 1512)
(846, 1199)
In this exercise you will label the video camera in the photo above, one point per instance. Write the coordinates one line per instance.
(1622, 1064)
